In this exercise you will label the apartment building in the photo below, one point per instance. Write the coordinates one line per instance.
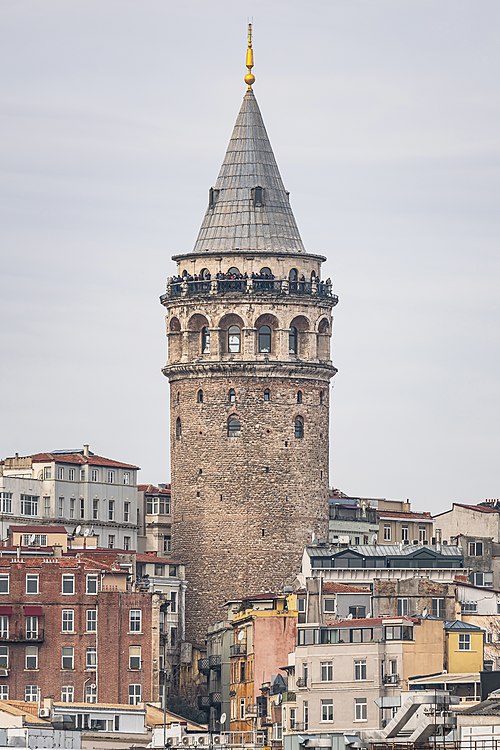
(415, 597)
(155, 518)
(360, 565)
(321, 601)
(339, 671)
(76, 488)
(73, 628)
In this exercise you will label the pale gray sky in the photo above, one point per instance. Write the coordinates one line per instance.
(384, 117)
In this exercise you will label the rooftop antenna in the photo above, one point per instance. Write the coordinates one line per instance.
(249, 78)
(77, 530)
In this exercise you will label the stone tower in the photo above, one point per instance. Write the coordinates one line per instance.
(249, 325)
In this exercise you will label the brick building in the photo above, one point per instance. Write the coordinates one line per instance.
(71, 628)
(249, 324)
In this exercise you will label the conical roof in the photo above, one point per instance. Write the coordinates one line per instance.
(237, 217)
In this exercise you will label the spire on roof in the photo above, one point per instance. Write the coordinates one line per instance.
(249, 207)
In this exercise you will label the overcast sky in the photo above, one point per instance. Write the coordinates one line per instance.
(384, 119)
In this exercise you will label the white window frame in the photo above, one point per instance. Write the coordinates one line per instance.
(91, 658)
(464, 642)
(71, 475)
(134, 658)
(66, 578)
(68, 621)
(359, 670)
(29, 505)
(31, 693)
(91, 619)
(90, 693)
(327, 710)
(360, 709)
(4, 583)
(134, 619)
(4, 656)
(126, 511)
(4, 692)
(126, 477)
(33, 578)
(68, 694)
(60, 472)
(32, 655)
(403, 606)
(4, 627)
(326, 671)
(110, 476)
(93, 579)
(134, 694)
(387, 531)
(68, 658)
(94, 475)
(6, 502)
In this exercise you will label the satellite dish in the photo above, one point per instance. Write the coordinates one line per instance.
(223, 718)
(86, 532)
(241, 635)
(78, 529)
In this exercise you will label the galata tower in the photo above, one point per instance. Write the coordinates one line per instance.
(249, 325)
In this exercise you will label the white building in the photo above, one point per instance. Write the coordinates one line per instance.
(73, 487)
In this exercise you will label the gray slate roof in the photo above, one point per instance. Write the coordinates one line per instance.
(384, 550)
(458, 625)
(234, 222)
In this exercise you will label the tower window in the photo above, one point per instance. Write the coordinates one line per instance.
(264, 339)
(293, 277)
(233, 271)
(267, 395)
(205, 340)
(232, 396)
(233, 426)
(299, 397)
(178, 428)
(213, 194)
(199, 396)
(258, 196)
(321, 397)
(299, 427)
(266, 271)
(233, 339)
(293, 340)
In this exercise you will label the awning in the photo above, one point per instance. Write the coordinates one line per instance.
(5, 610)
(33, 611)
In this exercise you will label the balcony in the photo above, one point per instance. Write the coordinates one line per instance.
(215, 662)
(275, 287)
(288, 696)
(390, 679)
(203, 702)
(31, 637)
(215, 699)
(238, 649)
(203, 666)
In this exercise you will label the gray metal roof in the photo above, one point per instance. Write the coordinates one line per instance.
(384, 550)
(455, 625)
(235, 222)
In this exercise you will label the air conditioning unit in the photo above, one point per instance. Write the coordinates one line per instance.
(44, 713)
(202, 740)
(185, 741)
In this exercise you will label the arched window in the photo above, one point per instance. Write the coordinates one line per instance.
(199, 396)
(205, 340)
(178, 428)
(266, 271)
(204, 273)
(299, 427)
(313, 276)
(293, 340)
(293, 278)
(233, 339)
(299, 397)
(233, 271)
(232, 396)
(264, 334)
(233, 426)
(267, 395)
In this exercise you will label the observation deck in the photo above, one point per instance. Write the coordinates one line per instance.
(272, 287)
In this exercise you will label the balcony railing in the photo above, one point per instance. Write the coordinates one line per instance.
(33, 636)
(176, 289)
(301, 682)
(203, 666)
(215, 661)
(390, 679)
(288, 696)
(238, 649)
(203, 702)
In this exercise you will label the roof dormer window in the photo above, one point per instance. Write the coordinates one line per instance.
(258, 196)
(213, 195)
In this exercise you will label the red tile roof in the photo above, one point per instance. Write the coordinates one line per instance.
(423, 516)
(80, 459)
(151, 489)
(479, 508)
(150, 557)
(38, 530)
(72, 563)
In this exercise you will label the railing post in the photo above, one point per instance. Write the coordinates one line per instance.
(213, 286)
(285, 286)
(184, 288)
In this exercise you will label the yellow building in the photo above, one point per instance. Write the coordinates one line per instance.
(464, 647)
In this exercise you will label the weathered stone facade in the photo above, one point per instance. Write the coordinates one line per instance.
(249, 416)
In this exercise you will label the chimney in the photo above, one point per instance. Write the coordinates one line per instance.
(86, 450)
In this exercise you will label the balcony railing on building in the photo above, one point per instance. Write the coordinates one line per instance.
(176, 289)
(203, 666)
(215, 661)
(238, 649)
(30, 636)
(288, 696)
(390, 679)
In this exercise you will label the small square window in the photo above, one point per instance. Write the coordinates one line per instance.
(68, 657)
(32, 580)
(135, 620)
(68, 583)
(92, 584)
(4, 583)
(31, 657)
(91, 621)
(134, 657)
(134, 694)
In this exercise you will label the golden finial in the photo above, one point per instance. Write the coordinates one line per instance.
(249, 78)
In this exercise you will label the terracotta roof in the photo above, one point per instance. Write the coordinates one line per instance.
(479, 508)
(79, 459)
(38, 530)
(68, 563)
(424, 515)
(150, 557)
(28, 710)
(151, 489)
